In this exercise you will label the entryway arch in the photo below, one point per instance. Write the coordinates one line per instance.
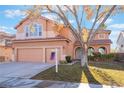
(78, 53)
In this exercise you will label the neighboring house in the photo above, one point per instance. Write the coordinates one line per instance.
(40, 44)
(120, 43)
(6, 50)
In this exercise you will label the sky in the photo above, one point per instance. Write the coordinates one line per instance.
(11, 15)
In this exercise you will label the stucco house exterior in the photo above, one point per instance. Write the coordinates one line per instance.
(40, 45)
(120, 43)
(6, 50)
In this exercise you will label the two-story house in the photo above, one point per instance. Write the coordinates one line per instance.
(120, 43)
(100, 43)
(6, 50)
(41, 43)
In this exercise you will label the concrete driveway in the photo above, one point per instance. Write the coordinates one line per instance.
(22, 70)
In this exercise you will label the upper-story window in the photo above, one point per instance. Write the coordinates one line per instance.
(27, 30)
(33, 30)
(101, 36)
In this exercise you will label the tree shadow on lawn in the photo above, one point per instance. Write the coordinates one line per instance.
(72, 73)
(108, 65)
(107, 78)
(93, 83)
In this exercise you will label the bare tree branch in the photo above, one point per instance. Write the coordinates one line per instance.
(77, 15)
(80, 23)
(100, 16)
(103, 21)
(74, 13)
(95, 21)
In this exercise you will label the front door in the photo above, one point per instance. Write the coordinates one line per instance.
(78, 53)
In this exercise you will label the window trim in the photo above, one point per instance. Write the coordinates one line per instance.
(103, 36)
(26, 32)
(38, 35)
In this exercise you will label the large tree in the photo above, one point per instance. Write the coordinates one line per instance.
(79, 14)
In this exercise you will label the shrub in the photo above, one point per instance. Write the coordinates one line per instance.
(68, 59)
(91, 58)
(119, 57)
(102, 57)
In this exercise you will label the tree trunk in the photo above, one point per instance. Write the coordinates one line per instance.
(84, 56)
(84, 60)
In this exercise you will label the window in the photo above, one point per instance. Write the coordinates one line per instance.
(27, 30)
(38, 29)
(34, 30)
(90, 51)
(102, 36)
(102, 50)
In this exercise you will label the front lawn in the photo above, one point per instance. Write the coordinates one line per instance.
(98, 73)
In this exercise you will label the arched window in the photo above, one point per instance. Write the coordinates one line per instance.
(33, 30)
(102, 50)
(90, 51)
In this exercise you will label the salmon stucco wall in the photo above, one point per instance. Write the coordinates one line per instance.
(47, 29)
(6, 52)
(65, 47)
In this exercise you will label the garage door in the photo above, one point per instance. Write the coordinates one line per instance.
(30, 55)
(50, 55)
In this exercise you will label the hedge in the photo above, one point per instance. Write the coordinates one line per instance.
(102, 57)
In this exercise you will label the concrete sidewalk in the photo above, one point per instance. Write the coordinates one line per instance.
(29, 83)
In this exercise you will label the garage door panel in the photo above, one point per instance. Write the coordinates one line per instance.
(30, 55)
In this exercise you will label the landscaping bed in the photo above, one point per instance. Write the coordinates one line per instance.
(103, 73)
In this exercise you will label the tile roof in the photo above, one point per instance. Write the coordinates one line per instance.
(58, 37)
(4, 35)
(105, 41)
(103, 31)
(101, 41)
(41, 17)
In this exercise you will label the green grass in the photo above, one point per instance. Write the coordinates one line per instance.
(98, 73)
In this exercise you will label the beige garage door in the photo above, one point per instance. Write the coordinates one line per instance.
(50, 55)
(30, 55)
